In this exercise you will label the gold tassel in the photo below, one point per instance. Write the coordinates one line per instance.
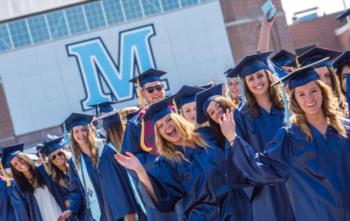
(8, 182)
(297, 62)
(175, 105)
(142, 142)
(139, 95)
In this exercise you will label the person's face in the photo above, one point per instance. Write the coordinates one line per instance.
(214, 111)
(153, 92)
(57, 158)
(19, 164)
(309, 98)
(344, 72)
(257, 83)
(189, 111)
(168, 130)
(234, 87)
(80, 134)
(325, 75)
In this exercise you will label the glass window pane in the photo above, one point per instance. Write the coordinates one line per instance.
(94, 15)
(76, 21)
(151, 6)
(19, 33)
(188, 2)
(132, 9)
(5, 43)
(170, 5)
(113, 11)
(38, 28)
(57, 24)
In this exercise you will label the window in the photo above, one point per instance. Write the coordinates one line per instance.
(170, 4)
(38, 29)
(57, 24)
(188, 2)
(132, 9)
(151, 6)
(94, 15)
(5, 42)
(113, 11)
(19, 33)
(76, 20)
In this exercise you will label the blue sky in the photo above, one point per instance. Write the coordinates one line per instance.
(325, 6)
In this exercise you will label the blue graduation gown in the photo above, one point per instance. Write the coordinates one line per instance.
(29, 200)
(131, 143)
(7, 212)
(77, 203)
(267, 201)
(116, 186)
(318, 183)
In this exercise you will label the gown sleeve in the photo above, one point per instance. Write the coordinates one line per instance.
(244, 167)
(75, 194)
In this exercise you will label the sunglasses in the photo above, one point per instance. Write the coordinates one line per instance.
(59, 154)
(150, 90)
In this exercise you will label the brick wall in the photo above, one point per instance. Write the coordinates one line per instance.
(242, 19)
(6, 129)
(319, 32)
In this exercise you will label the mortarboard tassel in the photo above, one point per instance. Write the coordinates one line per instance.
(175, 105)
(66, 136)
(142, 142)
(8, 182)
(139, 95)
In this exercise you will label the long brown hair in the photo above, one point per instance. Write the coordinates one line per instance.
(224, 103)
(115, 135)
(21, 180)
(329, 109)
(337, 90)
(92, 146)
(186, 129)
(55, 173)
(275, 95)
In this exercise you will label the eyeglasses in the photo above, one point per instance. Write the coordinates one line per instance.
(59, 154)
(150, 90)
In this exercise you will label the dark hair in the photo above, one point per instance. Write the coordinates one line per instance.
(223, 103)
(115, 133)
(274, 95)
(21, 180)
(56, 174)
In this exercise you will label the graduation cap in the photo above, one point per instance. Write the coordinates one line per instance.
(231, 73)
(39, 149)
(303, 75)
(110, 119)
(103, 107)
(150, 75)
(203, 99)
(313, 55)
(158, 110)
(185, 95)
(283, 57)
(76, 119)
(341, 60)
(252, 63)
(53, 145)
(343, 15)
(8, 153)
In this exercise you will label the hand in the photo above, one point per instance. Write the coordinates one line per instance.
(227, 125)
(129, 161)
(265, 22)
(65, 215)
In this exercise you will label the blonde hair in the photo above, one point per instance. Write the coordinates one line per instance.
(329, 109)
(275, 95)
(337, 91)
(186, 130)
(75, 148)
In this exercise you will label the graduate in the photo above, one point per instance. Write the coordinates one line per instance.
(316, 148)
(141, 142)
(257, 121)
(282, 59)
(341, 66)
(234, 87)
(101, 109)
(38, 193)
(85, 188)
(184, 102)
(115, 182)
(7, 212)
(325, 70)
(192, 171)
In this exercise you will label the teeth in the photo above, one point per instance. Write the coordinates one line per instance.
(259, 87)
